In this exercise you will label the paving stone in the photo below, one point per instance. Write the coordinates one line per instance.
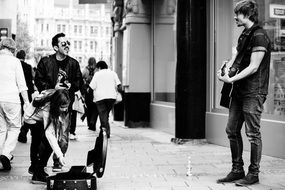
(145, 159)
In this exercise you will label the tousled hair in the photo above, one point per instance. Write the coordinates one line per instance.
(91, 61)
(54, 41)
(56, 99)
(247, 8)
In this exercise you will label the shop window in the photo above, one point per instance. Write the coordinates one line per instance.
(164, 63)
(275, 26)
(272, 18)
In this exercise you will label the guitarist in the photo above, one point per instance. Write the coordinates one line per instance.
(250, 87)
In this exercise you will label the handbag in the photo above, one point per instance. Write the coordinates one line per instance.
(118, 98)
(78, 104)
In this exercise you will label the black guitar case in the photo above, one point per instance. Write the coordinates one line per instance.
(77, 177)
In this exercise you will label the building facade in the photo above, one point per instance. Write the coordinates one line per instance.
(159, 44)
(8, 18)
(87, 26)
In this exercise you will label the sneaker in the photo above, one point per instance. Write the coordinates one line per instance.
(72, 137)
(31, 169)
(57, 168)
(39, 178)
(5, 163)
(231, 177)
(22, 137)
(249, 179)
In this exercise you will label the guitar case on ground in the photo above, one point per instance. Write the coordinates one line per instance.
(77, 177)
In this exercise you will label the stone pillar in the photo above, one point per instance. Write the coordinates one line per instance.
(136, 62)
(117, 50)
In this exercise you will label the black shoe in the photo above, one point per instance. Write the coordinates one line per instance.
(92, 128)
(5, 162)
(22, 137)
(31, 169)
(249, 179)
(231, 177)
(39, 177)
(57, 167)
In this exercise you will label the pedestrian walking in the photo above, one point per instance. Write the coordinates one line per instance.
(28, 73)
(91, 112)
(250, 87)
(52, 110)
(12, 82)
(105, 84)
(60, 71)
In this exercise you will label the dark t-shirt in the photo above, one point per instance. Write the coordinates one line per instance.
(62, 73)
(257, 83)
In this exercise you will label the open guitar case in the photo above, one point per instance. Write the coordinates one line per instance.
(77, 177)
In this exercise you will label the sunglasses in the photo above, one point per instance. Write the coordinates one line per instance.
(64, 106)
(63, 44)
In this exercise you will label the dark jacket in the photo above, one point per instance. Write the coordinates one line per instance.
(28, 73)
(47, 74)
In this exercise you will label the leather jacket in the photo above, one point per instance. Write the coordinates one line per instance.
(47, 74)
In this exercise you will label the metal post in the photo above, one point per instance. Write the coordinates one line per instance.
(190, 86)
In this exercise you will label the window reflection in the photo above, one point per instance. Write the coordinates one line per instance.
(273, 20)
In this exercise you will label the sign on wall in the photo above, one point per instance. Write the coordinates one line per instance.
(277, 11)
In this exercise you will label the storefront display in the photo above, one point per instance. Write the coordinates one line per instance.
(274, 23)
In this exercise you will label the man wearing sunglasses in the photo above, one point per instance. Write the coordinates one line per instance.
(56, 71)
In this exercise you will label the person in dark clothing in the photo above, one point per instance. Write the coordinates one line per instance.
(59, 71)
(28, 73)
(250, 87)
(91, 112)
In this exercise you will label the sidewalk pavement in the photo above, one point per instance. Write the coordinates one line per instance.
(145, 159)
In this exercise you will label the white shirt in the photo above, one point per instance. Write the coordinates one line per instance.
(12, 80)
(104, 83)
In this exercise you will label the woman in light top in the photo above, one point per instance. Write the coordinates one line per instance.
(51, 107)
